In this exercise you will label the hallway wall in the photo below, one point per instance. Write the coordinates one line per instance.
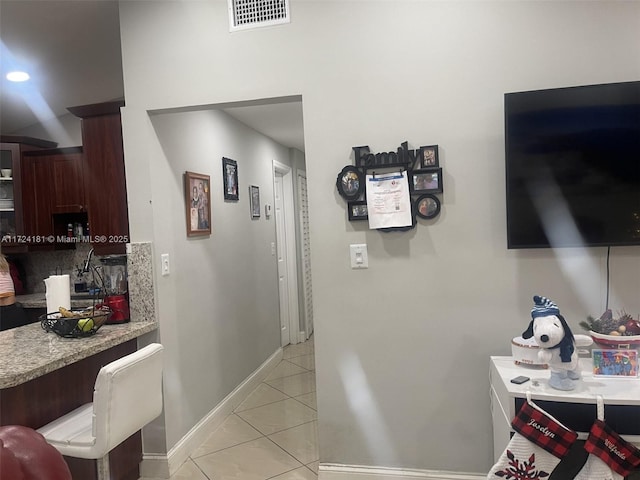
(218, 308)
(402, 349)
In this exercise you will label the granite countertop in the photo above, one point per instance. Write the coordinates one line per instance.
(38, 300)
(29, 352)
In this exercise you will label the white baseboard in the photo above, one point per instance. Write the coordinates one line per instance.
(164, 466)
(154, 466)
(329, 471)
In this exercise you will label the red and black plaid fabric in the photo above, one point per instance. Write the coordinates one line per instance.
(619, 455)
(542, 430)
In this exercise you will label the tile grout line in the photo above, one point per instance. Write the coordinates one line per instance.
(281, 391)
(287, 376)
(265, 404)
(236, 444)
(284, 429)
(288, 453)
(267, 436)
(296, 399)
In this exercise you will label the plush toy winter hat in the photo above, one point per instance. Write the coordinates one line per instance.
(543, 307)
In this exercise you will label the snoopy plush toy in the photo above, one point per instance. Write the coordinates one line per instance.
(557, 343)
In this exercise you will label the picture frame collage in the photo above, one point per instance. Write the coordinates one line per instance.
(425, 180)
(197, 189)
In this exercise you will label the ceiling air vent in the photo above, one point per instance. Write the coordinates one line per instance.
(244, 14)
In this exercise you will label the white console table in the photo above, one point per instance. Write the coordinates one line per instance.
(576, 409)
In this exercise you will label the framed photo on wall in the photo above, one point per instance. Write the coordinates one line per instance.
(350, 183)
(230, 178)
(428, 180)
(254, 198)
(358, 211)
(198, 203)
(429, 157)
(427, 206)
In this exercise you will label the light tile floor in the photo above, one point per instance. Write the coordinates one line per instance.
(272, 434)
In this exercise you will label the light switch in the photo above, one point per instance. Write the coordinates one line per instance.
(164, 260)
(359, 256)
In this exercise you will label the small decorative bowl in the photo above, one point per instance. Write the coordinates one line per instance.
(525, 352)
(616, 341)
(83, 323)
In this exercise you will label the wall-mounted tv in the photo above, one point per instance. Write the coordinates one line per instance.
(573, 166)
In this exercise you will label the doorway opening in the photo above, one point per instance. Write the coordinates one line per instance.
(286, 253)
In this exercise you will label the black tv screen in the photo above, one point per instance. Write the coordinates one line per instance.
(573, 166)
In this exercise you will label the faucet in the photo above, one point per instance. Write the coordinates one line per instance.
(87, 262)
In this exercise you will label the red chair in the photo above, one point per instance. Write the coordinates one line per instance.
(26, 455)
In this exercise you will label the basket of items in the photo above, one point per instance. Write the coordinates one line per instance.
(609, 331)
(75, 323)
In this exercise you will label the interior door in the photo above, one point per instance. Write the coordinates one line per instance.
(281, 253)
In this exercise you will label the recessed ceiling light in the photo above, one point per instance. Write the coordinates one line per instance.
(18, 76)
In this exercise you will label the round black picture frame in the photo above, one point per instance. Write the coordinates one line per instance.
(430, 204)
(350, 183)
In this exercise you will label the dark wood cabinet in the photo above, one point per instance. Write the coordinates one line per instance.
(12, 215)
(73, 185)
(68, 182)
(36, 180)
(104, 176)
(53, 184)
(10, 191)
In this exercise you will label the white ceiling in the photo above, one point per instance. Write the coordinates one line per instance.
(72, 52)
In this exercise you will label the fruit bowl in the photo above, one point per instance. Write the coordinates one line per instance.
(75, 323)
(616, 341)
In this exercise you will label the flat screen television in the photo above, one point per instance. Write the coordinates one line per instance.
(573, 166)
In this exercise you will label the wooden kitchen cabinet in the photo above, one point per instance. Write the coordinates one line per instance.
(12, 215)
(36, 182)
(68, 181)
(77, 184)
(104, 176)
(53, 184)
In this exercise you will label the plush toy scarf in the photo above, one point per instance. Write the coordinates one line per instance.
(566, 345)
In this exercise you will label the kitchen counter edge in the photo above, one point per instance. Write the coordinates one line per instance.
(29, 352)
(38, 300)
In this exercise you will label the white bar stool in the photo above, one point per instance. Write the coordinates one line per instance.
(127, 395)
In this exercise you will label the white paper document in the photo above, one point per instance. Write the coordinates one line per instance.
(388, 200)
